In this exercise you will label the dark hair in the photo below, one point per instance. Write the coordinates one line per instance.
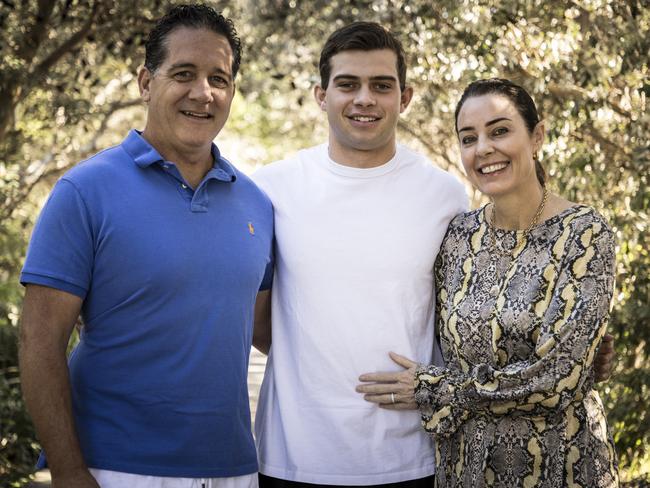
(196, 16)
(361, 36)
(519, 98)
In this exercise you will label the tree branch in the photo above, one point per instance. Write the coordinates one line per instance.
(45, 65)
(12, 89)
(568, 91)
(34, 37)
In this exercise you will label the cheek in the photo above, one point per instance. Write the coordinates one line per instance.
(467, 161)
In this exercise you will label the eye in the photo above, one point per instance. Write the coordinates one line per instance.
(466, 140)
(499, 131)
(218, 81)
(346, 85)
(383, 87)
(183, 76)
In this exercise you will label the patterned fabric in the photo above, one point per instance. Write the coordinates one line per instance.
(514, 407)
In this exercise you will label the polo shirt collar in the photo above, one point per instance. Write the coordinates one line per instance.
(145, 155)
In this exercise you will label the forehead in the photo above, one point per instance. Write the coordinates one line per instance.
(485, 108)
(364, 64)
(199, 47)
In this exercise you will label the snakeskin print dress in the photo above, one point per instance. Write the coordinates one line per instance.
(519, 328)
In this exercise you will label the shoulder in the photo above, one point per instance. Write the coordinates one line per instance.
(466, 223)
(285, 170)
(581, 237)
(585, 222)
(457, 243)
(247, 184)
(438, 181)
(99, 167)
(422, 164)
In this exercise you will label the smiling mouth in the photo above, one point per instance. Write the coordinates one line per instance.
(196, 115)
(363, 118)
(486, 170)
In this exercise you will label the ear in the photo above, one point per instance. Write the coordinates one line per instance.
(405, 98)
(538, 136)
(144, 83)
(320, 97)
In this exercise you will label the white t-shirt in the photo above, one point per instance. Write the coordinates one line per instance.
(353, 281)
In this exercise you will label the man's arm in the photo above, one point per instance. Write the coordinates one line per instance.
(262, 326)
(48, 318)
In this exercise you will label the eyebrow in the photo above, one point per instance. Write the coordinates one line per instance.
(372, 78)
(487, 124)
(193, 66)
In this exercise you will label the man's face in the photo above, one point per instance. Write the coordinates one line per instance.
(190, 93)
(363, 101)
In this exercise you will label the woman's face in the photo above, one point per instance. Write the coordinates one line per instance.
(496, 148)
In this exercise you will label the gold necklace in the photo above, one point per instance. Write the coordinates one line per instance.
(494, 291)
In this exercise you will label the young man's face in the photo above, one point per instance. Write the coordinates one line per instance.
(363, 101)
(189, 95)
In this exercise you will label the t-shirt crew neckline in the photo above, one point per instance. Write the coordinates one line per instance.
(353, 172)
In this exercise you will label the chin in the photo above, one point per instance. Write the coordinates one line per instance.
(494, 190)
(198, 140)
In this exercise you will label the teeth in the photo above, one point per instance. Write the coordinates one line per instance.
(364, 119)
(493, 167)
(195, 114)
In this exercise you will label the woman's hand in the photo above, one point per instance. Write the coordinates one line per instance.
(393, 391)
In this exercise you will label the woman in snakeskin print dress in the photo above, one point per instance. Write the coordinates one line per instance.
(524, 286)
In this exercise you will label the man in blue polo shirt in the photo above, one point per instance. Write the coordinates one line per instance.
(162, 246)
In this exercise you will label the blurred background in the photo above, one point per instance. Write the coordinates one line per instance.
(68, 89)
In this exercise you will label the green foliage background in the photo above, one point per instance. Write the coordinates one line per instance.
(67, 89)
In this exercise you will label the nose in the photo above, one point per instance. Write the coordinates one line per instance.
(364, 96)
(201, 91)
(484, 146)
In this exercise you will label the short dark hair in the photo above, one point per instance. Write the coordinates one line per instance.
(195, 16)
(361, 36)
(519, 97)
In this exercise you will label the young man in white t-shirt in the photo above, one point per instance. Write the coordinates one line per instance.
(358, 224)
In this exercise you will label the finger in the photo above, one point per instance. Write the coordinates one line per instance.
(599, 377)
(379, 377)
(402, 360)
(372, 398)
(606, 359)
(376, 388)
(604, 369)
(608, 338)
(381, 399)
(606, 347)
(602, 374)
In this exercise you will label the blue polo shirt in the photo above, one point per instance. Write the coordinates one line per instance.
(168, 277)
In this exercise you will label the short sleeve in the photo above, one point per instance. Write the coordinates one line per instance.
(61, 251)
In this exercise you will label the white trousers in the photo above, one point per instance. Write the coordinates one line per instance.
(116, 479)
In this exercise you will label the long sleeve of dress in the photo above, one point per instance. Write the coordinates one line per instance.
(572, 311)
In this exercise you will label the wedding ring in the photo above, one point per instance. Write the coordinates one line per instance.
(392, 397)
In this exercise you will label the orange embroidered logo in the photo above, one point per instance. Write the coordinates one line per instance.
(251, 229)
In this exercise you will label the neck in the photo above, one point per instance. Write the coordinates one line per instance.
(516, 211)
(360, 158)
(192, 163)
